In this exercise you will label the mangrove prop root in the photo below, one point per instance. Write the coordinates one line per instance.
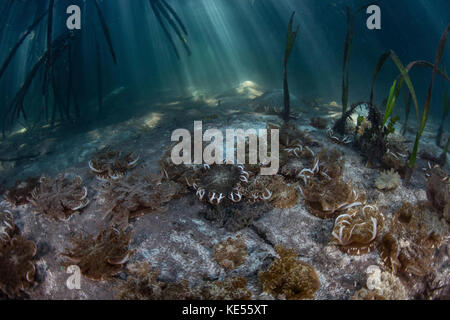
(291, 37)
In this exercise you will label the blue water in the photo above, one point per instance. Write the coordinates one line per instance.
(231, 41)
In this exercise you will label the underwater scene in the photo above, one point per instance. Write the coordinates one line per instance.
(224, 150)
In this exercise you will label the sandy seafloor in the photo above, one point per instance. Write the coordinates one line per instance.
(180, 241)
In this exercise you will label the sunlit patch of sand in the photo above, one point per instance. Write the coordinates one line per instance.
(198, 96)
(20, 131)
(334, 104)
(211, 102)
(153, 119)
(94, 135)
(335, 115)
(250, 89)
(169, 104)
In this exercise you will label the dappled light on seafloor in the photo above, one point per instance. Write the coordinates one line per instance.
(250, 89)
(152, 120)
